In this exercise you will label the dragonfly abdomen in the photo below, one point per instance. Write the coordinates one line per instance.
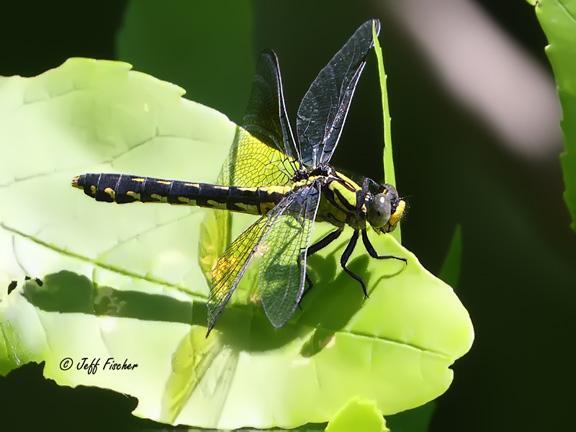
(122, 189)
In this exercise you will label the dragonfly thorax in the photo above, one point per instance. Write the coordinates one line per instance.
(304, 173)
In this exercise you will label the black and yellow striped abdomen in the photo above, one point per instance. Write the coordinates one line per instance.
(121, 189)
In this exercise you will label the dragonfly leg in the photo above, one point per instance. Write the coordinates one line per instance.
(320, 244)
(373, 253)
(346, 256)
(324, 241)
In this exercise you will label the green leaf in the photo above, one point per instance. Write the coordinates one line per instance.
(558, 20)
(450, 270)
(360, 415)
(415, 420)
(95, 116)
(418, 419)
(134, 292)
(389, 172)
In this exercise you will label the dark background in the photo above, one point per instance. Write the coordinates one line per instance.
(518, 272)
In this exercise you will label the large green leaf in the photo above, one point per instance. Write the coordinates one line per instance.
(418, 419)
(94, 116)
(133, 289)
(558, 19)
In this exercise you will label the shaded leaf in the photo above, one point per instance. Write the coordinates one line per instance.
(558, 20)
(450, 270)
(189, 43)
(418, 419)
(415, 420)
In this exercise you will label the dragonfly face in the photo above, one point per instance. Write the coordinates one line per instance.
(284, 178)
(384, 209)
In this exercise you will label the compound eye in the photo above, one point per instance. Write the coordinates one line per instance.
(379, 210)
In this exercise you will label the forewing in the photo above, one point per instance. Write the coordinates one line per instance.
(263, 152)
(323, 109)
(259, 155)
(266, 117)
(282, 273)
(228, 270)
(251, 163)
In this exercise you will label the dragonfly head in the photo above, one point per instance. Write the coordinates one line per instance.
(385, 209)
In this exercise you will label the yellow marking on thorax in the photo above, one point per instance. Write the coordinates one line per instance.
(134, 195)
(331, 213)
(110, 192)
(93, 190)
(344, 198)
(159, 198)
(349, 181)
(337, 211)
(299, 184)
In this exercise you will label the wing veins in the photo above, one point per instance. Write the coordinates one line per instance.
(325, 105)
(248, 242)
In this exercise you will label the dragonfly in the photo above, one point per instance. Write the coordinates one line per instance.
(283, 178)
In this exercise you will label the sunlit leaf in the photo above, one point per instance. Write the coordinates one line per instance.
(418, 419)
(358, 415)
(134, 292)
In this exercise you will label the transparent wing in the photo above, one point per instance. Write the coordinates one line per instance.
(259, 156)
(323, 109)
(263, 152)
(266, 117)
(282, 273)
(228, 270)
(252, 163)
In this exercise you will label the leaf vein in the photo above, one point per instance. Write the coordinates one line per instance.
(99, 264)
